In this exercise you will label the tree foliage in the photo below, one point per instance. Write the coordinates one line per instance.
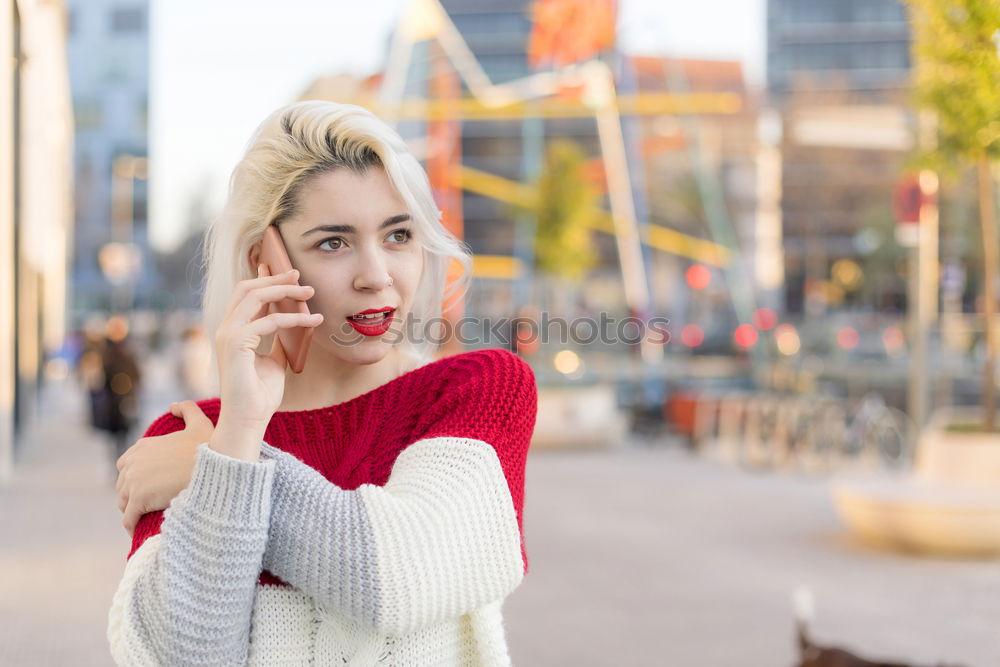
(957, 76)
(958, 79)
(565, 210)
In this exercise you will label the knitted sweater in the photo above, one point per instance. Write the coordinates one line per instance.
(385, 530)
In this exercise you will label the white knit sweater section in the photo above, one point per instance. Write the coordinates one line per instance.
(410, 573)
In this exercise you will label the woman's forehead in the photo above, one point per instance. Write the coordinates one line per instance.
(344, 197)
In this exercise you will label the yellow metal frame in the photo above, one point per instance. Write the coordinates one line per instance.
(656, 236)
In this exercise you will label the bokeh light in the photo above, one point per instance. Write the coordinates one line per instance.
(692, 335)
(848, 274)
(894, 340)
(745, 335)
(698, 277)
(567, 362)
(848, 338)
(765, 319)
(787, 339)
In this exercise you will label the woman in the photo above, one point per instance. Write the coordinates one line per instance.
(367, 510)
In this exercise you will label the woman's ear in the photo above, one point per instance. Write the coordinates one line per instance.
(253, 257)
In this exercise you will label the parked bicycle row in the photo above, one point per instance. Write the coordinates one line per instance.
(811, 433)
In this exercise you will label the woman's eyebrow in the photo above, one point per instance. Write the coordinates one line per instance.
(351, 229)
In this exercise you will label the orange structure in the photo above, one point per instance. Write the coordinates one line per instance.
(570, 31)
(444, 158)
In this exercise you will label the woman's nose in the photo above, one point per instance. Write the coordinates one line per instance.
(371, 273)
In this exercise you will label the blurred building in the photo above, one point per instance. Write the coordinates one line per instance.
(838, 75)
(662, 150)
(513, 148)
(497, 33)
(36, 144)
(499, 149)
(109, 69)
(506, 145)
(861, 45)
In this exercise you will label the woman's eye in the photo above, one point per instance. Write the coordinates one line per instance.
(405, 235)
(399, 236)
(335, 239)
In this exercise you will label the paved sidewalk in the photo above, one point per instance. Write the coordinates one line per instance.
(638, 557)
(653, 557)
(62, 545)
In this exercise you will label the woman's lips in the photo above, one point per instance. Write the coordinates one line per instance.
(375, 326)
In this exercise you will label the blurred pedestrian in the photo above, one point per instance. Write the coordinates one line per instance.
(116, 408)
(90, 367)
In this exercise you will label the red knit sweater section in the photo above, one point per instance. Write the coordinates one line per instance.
(488, 395)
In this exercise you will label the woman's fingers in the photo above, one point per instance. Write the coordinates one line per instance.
(136, 504)
(132, 513)
(245, 286)
(193, 416)
(271, 323)
(277, 353)
(120, 463)
(255, 303)
(248, 336)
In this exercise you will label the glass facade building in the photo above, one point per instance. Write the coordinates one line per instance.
(863, 44)
(108, 48)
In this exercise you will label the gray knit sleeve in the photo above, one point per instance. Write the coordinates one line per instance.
(438, 540)
(187, 594)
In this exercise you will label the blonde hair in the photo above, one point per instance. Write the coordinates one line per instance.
(295, 144)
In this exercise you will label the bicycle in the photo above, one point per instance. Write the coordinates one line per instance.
(881, 433)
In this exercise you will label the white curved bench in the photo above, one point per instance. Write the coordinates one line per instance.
(921, 516)
(949, 505)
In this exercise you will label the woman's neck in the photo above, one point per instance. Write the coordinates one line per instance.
(324, 384)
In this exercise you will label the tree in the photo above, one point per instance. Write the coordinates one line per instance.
(565, 210)
(958, 79)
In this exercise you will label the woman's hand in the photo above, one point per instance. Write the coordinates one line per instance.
(154, 470)
(251, 385)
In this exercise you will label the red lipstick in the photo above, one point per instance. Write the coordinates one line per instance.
(372, 326)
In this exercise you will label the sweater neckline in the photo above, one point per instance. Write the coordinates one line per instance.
(365, 396)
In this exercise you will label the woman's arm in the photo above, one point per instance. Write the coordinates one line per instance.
(440, 539)
(443, 536)
(191, 602)
(186, 596)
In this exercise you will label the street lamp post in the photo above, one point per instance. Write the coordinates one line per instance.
(120, 259)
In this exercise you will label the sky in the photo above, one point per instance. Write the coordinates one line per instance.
(218, 68)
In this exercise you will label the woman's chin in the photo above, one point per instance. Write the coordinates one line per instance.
(365, 352)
